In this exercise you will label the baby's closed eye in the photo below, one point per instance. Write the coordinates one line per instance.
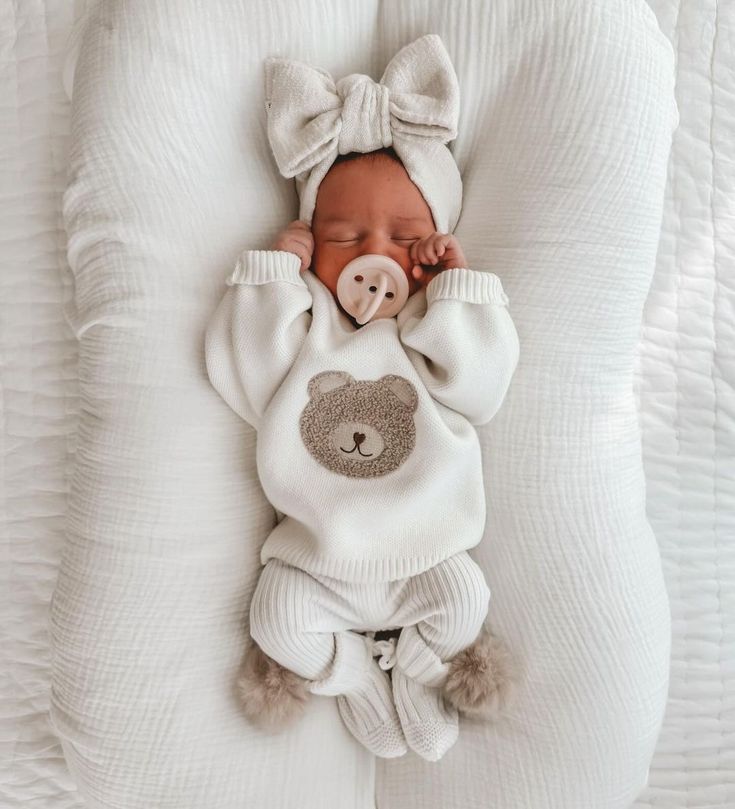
(355, 239)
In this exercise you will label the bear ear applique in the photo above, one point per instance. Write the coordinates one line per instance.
(328, 381)
(403, 389)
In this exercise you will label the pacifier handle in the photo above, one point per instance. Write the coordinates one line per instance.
(373, 305)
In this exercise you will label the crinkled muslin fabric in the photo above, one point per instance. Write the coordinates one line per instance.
(562, 145)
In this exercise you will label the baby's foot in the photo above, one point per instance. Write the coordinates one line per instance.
(430, 725)
(370, 715)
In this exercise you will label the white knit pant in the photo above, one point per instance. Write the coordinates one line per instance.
(310, 624)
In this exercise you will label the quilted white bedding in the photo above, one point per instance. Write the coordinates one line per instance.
(684, 388)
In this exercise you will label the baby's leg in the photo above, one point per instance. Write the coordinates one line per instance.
(293, 618)
(444, 613)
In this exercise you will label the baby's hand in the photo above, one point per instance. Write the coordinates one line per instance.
(297, 239)
(441, 251)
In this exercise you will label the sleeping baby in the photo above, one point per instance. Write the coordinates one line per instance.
(364, 351)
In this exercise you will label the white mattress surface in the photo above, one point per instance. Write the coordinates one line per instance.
(684, 385)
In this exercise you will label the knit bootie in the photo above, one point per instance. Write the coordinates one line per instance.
(430, 725)
(370, 715)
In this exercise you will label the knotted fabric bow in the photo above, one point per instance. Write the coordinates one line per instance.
(384, 649)
(414, 108)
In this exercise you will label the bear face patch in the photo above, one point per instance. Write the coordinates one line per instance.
(363, 428)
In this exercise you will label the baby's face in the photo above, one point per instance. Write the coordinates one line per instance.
(367, 206)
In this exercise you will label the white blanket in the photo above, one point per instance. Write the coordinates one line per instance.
(685, 383)
(686, 340)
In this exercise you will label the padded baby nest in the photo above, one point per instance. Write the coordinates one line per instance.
(565, 128)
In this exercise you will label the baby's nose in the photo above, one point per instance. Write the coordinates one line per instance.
(381, 246)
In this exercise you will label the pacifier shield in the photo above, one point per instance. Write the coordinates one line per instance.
(372, 287)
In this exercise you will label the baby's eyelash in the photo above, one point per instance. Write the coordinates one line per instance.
(396, 238)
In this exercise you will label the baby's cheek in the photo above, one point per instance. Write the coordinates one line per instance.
(327, 267)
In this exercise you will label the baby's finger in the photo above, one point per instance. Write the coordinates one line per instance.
(440, 245)
(301, 230)
(430, 254)
(303, 254)
(304, 236)
(303, 239)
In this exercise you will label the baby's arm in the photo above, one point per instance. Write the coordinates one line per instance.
(257, 331)
(465, 347)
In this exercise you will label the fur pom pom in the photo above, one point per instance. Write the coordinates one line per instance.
(481, 678)
(271, 695)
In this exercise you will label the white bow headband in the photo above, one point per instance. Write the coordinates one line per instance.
(414, 108)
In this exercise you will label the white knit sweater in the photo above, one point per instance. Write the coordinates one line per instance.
(374, 466)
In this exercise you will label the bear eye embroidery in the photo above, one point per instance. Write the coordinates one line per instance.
(359, 428)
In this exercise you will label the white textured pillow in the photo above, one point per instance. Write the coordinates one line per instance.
(567, 113)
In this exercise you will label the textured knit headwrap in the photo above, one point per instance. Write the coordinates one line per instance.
(414, 108)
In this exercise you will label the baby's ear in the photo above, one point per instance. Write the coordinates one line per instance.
(328, 381)
(403, 389)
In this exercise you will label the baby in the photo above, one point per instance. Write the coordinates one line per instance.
(365, 434)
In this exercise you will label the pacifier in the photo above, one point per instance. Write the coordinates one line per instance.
(372, 287)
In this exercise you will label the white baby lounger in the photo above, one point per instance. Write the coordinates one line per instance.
(566, 123)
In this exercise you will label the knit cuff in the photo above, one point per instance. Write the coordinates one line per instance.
(264, 266)
(470, 286)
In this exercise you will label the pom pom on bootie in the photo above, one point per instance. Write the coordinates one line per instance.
(482, 678)
(271, 696)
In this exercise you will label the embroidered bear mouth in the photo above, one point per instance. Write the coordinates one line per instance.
(358, 438)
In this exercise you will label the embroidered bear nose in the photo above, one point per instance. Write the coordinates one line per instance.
(358, 438)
